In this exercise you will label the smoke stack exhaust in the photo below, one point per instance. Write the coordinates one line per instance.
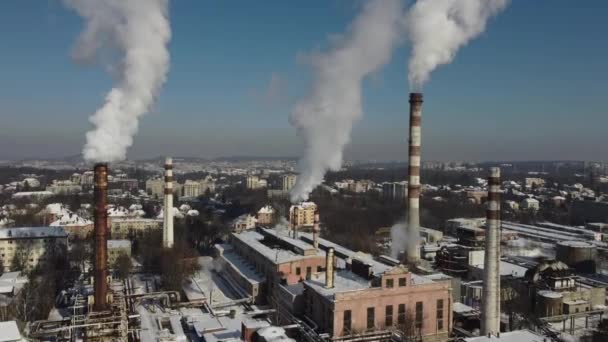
(101, 238)
(316, 230)
(329, 268)
(490, 322)
(168, 205)
(413, 194)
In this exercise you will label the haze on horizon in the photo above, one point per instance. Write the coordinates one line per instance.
(529, 88)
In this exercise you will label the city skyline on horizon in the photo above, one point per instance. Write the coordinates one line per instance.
(218, 104)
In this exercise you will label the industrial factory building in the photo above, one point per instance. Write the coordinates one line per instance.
(345, 293)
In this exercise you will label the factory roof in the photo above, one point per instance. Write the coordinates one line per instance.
(32, 233)
(578, 244)
(244, 268)
(344, 281)
(511, 336)
(9, 331)
(266, 210)
(463, 308)
(508, 268)
(277, 255)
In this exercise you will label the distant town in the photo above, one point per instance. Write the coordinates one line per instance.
(249, 262)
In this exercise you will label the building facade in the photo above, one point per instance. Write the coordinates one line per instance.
(26, 247)
(125, 228)
(288, 182)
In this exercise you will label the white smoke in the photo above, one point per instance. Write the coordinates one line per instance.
(139, 31)
(325, 118)
(438, 28)
(399, 237)
(528, 248)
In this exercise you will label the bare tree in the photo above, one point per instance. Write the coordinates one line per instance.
(123, 266)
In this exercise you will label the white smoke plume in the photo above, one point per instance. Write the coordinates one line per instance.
(438, 28)
(399, 237)
(325, 118)
(137, 31)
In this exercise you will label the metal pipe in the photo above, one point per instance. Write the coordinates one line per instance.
(100, 194)
(168, 207)
(490, 315)
(413, 194)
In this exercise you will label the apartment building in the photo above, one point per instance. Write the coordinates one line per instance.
(29, 246)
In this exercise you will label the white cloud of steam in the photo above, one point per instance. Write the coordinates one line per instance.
(438, 28)
(325, 118)
(528, 248)
(139, 31)
(399, 237)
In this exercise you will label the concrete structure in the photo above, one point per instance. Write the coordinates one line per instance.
(255, 182)
(128, 228)
(288, 182)
(413, 215)
(578, 255)
(490, 313)
(27, 247)
(117, 248)
(168, 205)
(266, 216)
(100, 198)
(511, 336)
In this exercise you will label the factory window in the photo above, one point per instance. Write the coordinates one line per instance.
(347, 320)
(402, 282)
(389, 316)
(371, 318)
(401, 314)
(419, 315)
(389, 283)
(308, 272)
(298, 272)
(439, 314)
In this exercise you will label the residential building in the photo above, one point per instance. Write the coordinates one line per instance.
(266, 216)
(302, 214)
(394, 190)
(244, 222)
(192, 188)
(125, 228)
(288, 181)
(26, 247)
(117, 248)
(64, 187)
(156, 188)
(533, 182)
(530, 204)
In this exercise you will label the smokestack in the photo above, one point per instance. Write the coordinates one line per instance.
(329, 268)
(490, 322)
(316, 230)
(413, 194)
(101, 238)
(168, 208)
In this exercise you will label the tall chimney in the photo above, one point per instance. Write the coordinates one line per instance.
(490, 322)
(101, 238)
(413, 194)
(316, 230)
(329, 268)
(168, 207)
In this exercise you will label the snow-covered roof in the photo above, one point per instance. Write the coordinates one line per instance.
(511, 336)
(266, 210)
(71, 219)
(25, 194)
(32, 232)
(9, 331)
(192, 212)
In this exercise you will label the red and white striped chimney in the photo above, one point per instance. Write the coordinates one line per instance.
(490, 314)
(413, 217)
(168, 205)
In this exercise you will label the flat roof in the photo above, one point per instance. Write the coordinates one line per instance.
(276, 255)
(32, 232)
(241, 265)
(9, 331)
(511, 336)
(508, 268)
(344, 281)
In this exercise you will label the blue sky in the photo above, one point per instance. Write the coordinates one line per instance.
(533, 86)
